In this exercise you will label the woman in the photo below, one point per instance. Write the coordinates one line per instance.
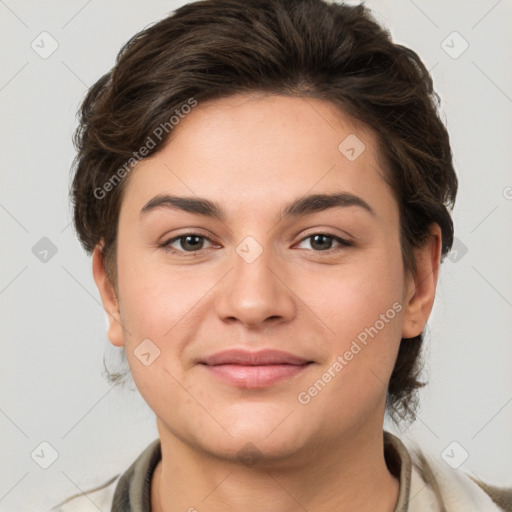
(265, 187)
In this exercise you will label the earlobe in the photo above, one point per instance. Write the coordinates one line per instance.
(108, 297)
(421, 286)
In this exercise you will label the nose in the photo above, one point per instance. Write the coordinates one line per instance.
(255, 293)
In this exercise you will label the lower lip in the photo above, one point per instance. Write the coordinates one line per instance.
(255, 376)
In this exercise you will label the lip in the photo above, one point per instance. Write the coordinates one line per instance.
(249, 369)
(253, 358)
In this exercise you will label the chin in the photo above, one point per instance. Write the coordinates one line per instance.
(257, 438)
(253, 451)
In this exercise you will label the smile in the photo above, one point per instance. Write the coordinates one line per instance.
(247, 369)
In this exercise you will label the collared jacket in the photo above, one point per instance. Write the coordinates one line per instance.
(426, 485)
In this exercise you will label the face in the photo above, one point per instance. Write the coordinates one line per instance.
(319, 283)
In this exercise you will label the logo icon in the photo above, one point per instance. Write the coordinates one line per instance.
(459, 250)
(249, 454)
(44, 455)
(454, 45)
(351, 147)
(146, 352)
(44, 250)
(44, 45)
(454, 455)
(249, 249)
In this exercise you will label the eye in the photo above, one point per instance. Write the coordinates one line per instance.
(324, 241)
(189, 242)
(194, 242)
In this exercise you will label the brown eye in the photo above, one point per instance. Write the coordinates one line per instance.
(189, 242)
(324, 242)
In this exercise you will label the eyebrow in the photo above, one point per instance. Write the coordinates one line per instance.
(299, 207)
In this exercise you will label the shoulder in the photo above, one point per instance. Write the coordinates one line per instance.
(434, 481)
(90, 500)
(129, 490)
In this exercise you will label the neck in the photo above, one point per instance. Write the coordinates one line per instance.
(352, 476)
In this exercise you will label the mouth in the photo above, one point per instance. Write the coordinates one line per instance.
(248, 369)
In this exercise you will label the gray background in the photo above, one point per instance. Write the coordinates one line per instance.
(53, 334)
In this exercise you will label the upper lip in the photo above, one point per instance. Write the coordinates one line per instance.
(252, 358)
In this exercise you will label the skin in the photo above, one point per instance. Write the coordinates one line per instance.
(253, 155)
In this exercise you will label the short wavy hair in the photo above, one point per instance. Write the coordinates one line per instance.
(213, 49)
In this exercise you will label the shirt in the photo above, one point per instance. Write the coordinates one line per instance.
(426, 485)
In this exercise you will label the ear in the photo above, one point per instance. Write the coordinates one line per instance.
(420, 288)
(108, 297)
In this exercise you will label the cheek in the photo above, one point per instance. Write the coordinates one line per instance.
(363, 309)
(157, 312)
(154, 302)
(361, 293)
(162, 303)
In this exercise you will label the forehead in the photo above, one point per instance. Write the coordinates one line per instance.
(250, 150)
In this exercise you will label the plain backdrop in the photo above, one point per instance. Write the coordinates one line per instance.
(53, 335)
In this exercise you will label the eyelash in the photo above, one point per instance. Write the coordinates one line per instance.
(166, 245)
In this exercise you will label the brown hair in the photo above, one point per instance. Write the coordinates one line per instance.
(214, 49)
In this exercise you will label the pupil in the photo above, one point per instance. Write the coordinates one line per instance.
(193, 245)
(322, 238)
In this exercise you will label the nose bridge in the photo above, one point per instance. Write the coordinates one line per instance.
(253, 292)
